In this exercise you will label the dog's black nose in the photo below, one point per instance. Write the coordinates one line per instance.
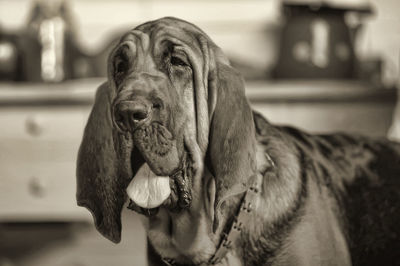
(139, 112)
(130, 114)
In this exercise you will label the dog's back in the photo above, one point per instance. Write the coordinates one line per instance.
(363, 179)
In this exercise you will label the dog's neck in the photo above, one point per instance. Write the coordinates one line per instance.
(269, 223)
(234, 228)
(238, 215)
(241, 224)
(239, 221)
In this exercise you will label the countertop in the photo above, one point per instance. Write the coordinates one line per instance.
(81, 92)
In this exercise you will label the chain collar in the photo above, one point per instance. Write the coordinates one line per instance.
(240, 220)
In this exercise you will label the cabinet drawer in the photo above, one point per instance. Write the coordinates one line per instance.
(37, 163)
(39, 191)
(42, 123)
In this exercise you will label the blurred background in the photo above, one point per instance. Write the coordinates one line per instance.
(322, 66)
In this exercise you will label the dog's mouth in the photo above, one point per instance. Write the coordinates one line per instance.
(162, 172)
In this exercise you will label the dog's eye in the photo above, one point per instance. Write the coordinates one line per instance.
(121, 66)
(176, 61)
(120, 69)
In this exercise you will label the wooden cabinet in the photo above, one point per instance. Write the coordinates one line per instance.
(37, 162)
(41, 129)
(39, 141)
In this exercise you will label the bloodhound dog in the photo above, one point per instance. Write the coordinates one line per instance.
(172, 136)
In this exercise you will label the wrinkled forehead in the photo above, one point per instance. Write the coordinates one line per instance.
(154, 34)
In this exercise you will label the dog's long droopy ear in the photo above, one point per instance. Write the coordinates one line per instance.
(100, 181)
(232, 134)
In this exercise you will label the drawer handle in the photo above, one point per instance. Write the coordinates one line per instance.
(37, 187)
(33, 126)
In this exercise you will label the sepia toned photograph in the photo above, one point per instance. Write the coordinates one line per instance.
(183, 133)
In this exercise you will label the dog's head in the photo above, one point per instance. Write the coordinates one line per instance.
(171, 130)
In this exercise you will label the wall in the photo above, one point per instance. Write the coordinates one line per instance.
(239, 27)
(381, 38)
(244, 29)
